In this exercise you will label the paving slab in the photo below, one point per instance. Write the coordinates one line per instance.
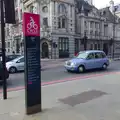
(95, 98)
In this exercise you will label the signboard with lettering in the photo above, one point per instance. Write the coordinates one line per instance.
(31, 31)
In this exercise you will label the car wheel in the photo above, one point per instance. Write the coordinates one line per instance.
(81, 69)
(68, 71)
(104, 67)
(12, 70)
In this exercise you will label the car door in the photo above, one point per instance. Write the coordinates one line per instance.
(90, 61)
(20, 64)
(98, 60)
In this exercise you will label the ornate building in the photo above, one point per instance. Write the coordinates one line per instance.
(98, 26)
(69, 26)
(57, 26)
(13, 33)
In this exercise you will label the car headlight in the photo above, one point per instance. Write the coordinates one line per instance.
(73, 64)
(66, 62)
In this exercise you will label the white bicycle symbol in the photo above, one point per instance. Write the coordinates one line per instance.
(32, 27)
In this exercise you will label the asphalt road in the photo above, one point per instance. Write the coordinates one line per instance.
(57, 73)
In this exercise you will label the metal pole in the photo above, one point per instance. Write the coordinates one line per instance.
(51, 48)
(113, 36)
(3, 50)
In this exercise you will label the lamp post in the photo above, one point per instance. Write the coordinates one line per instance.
(113, 35)
(3, 49)
(114, 22)
(84, 41)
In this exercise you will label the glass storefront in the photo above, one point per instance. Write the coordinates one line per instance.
(63, 47)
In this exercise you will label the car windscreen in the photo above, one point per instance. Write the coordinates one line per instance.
(82, 55)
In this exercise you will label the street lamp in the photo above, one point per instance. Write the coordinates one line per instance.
(84, 41)
(114, 22)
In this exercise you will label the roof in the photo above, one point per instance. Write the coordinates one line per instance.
(89, 51)
(117, 8)
(81, 4)
(106, 13)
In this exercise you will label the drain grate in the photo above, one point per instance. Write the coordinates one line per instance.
(82, 97)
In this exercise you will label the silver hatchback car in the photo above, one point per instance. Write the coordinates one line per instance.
(15, 65)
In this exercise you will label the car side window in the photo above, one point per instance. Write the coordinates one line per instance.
(98, 55)
(21, 60)
(103, 55)
(91, 56)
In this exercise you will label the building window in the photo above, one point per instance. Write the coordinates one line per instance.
(91, 33)
(96, 25)
(85, 23)
(8, 44)
(71, 10)
(61, 9)
(91, 47)
(95, 46)
(59, 23)
(96, 33)
(7, 31)
(105, 30)
(54, 8)
(13, 44)
(62, 22)
(45, 9)
(45, 21)
(31, 9)
(8, 50)
(21, 14)
(91, 24)
(77, 46)
(98, 46)
(16, 16)
(63, 47)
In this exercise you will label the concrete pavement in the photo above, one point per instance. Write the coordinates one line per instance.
(95, 98)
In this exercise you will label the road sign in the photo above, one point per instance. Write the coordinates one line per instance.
(31, 30)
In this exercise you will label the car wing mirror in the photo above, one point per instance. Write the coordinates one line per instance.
(18, 61)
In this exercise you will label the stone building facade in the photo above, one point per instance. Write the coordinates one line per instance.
(13, 32)
(67, 27)
(67, 23)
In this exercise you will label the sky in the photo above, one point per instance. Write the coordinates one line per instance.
(104, 3)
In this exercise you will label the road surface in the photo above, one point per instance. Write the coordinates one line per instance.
(56, 74)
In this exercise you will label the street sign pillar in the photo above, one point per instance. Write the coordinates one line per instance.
(31, 31)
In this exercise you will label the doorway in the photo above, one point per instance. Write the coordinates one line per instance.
(45, 51)
(105, 48)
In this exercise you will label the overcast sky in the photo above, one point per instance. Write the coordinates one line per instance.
(103, 3)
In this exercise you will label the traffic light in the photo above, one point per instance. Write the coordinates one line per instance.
(9, 11)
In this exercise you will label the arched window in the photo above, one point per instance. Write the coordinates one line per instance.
(61, 9)
(45, 9)
(62, 21)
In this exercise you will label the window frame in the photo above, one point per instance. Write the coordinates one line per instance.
(91, 58)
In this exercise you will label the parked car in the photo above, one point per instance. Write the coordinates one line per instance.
(15, 65)
(87, 60)
(1, 73)
(10, 57)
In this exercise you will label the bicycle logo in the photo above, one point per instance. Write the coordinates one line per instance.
(32, 27)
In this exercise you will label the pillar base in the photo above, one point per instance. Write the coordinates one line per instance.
(33, 109)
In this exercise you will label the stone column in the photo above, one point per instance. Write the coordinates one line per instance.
(71, 46)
